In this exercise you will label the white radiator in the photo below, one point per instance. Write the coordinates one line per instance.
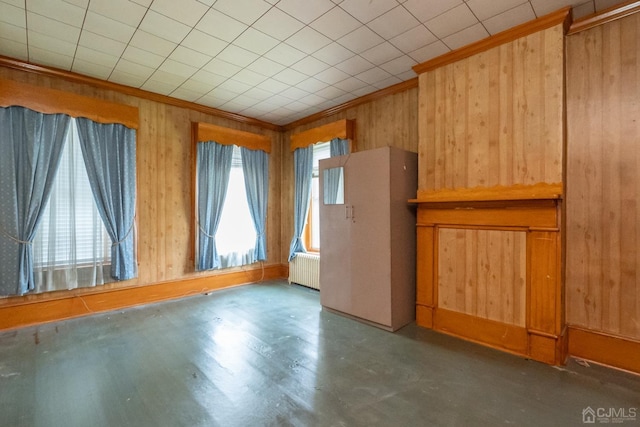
(304, 270)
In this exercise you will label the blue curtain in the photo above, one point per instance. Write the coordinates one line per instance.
(303, 169)
(30, 148)
(109, 153)
(338, 147)
(255, 167)
(213, 166)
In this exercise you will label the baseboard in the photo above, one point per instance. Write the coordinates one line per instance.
(73, 305)
(605, 349)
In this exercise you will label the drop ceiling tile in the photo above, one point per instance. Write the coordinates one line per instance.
(258, 94)
(170, 79)
(367, 10)
(381, 53)
(150, 43)
(426, 10)
(101, 43)
(266, 67)
(234, 86)
(605, 4)
(360, 40)
(164, 27)
(205, 78)
(52, 44)
(278, 24)
(130, 68)
(285, 54)
(544, 7)
(413, 39)
(107, 27)
(249, 77)
(221, 94)
(126, 79)
(373, 75)
(222, 68)
(188, 12)
(510, 18)
(12, 15)
(80, 3)
(177, 68)
(204, 43)
(207, 2)
(49, 58)
(305, 10)
(308, 40)
(466, 36)
(246, 11)
(350, 84)
(311, 99)
(158, 86)
(219, 25)
(255, 41)
(355, 65)
(273, 86)
(335, 23)
(333, 54)
(583, 10)
(311, 85)
(189, 56)
(399, 65)
(330, 92)
(430, 51)
(13, 33)
(186, 94)
(290, 76)
(237, 56)
(452, 21)
(294, 93)
(485, 9)
(365, 91)
(395, 22)
(407, 75)
(95, 57)
(142, 57)
(331, 75)
(123, 11)
(390, 81)
(211, 101)
(13, 49)
(91, 69)
(50, 27)
(310, 66)
(58, 10)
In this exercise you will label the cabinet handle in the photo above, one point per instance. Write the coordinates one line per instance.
(346, 214)
(353, 213)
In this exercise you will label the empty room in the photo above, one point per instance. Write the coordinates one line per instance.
(319, 212)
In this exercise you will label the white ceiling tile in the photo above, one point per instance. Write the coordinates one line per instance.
(222, 68)
(95, 57)
(258, 94)
(285, 54)
(221, 94)
(381, 53)
(265, 66)
(407, 75)
(278, 24)
(13, 15)
(14, 33)
(217, 24)
(485, 9)
(305, 10)
(360, 40)
(373, 75)
(294, 93)
(390, 81)
(47, 26)
(206, 78)
(583, 10)
(202, 87)
(255, 41)
(177, 68)
(311, 99)
(170, 79)
(425, 10)
(158, 86)
(211, 101)
(101, 43)
(393, 23)
(452, 21)
(50, 58)
(107, 27)
(234, 86)
(308, 40)
(273, 86)
(189, 56)
(14, 49)
(335, 23)
(332, 75)
(145, 3)
(333, 54)
(188, 12)
(413, 39)
(605, 4)
(126, 79)
(350, 84)
(399, 65)
(330, 92)
(246, 11)
(290, 76)
(186, 94)
(544, 7)
(249, 77)
(430, 51)
(311, 85)
(237, 56)
(365, 90)
(164, 27)
(80, 3)
(466, 36)
(142, 57)
(367, 10)
(150, 43)
(355, 65)
(510, 18)
(134, 69)
(91, 69)
(204, 43)
(310, 66)
(58, 10)
(47, 42)
(123, 11)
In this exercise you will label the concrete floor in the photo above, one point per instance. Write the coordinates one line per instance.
(267, 355)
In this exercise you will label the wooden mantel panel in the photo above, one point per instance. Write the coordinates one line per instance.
(495, 118)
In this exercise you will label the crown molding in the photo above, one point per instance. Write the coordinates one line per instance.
(605, 16)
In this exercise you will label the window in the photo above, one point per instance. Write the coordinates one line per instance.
(312, 233)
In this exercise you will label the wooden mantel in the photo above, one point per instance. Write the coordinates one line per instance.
(489, 267)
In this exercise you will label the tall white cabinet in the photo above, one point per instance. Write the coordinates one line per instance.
(367, 236)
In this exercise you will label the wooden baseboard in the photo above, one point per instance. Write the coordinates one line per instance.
(55, 309)
(613, 351)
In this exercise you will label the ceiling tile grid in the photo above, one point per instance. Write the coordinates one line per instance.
(272, 60)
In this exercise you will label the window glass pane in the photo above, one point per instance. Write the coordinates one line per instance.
(320, 151)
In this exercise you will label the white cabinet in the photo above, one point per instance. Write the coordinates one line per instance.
(367, 237)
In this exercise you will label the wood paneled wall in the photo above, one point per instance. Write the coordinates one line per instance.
(164, 196)
(389, 121)
(603, 178)
(495, 118)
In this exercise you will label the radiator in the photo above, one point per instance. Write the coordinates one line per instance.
(304, 270)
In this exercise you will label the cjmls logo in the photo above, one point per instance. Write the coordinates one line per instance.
(588, 415)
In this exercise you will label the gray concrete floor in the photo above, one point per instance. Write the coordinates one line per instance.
(267, 355)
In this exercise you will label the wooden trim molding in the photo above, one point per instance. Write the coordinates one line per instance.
(127, 90)
(227, 136)
(605, 349)
(562, 16)
(539, 191)
(605, 16)
(17, 312)
(51, 101)
(344, 129)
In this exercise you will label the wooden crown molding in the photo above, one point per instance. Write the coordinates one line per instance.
(539, 191)
(226, 136)
(339, 129)
(607, 15)
(127, 90)
(562, 16)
